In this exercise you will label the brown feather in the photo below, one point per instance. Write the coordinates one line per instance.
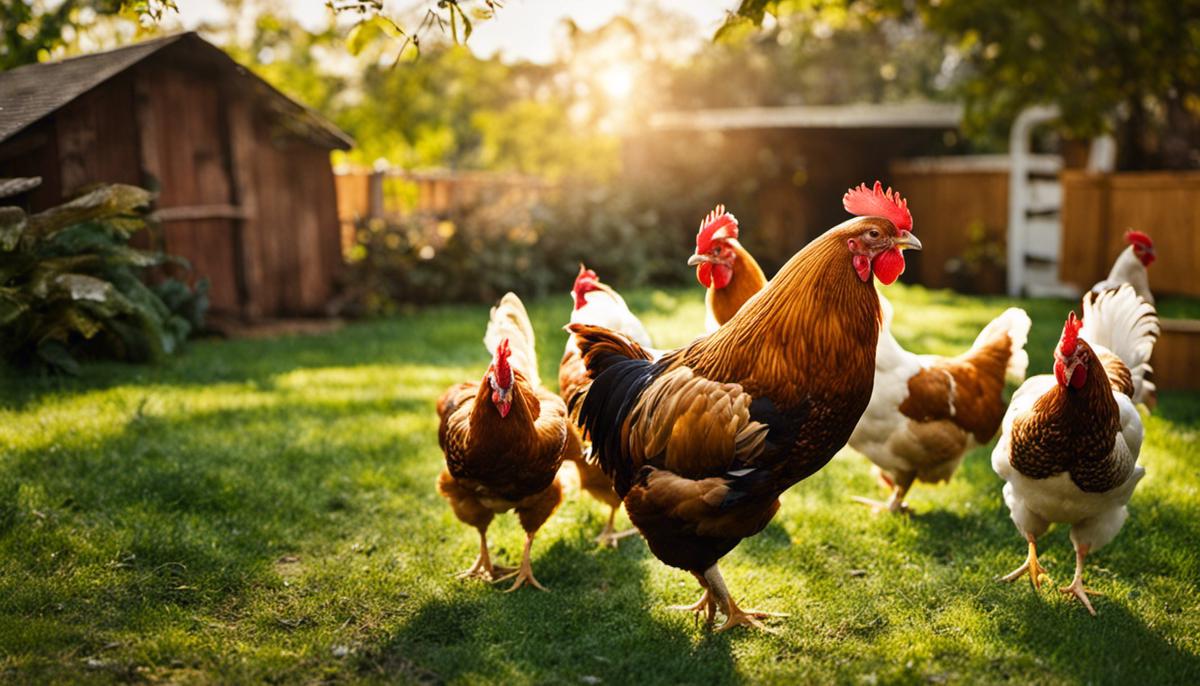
(1072, 430)
(967, 390)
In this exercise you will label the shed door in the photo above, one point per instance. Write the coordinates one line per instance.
(184, 153)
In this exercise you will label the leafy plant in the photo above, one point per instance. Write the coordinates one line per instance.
(533, 248)
(70, 285)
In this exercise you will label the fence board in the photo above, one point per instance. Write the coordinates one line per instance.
(945, 204)
(1099, 208)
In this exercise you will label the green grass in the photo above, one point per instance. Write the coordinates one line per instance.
(264, 511)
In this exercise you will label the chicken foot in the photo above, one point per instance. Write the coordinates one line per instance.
(707, 605)
(610, 537)
(524, 573)
(1030, 567)
(734, 615)
(1077, 589)
(483, 567)
(895, 503)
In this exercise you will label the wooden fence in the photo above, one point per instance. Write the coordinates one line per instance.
(394, 194)
(1099, 208)
(960, 211)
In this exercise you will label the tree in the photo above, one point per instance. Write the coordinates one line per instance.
(1129, 67)
(32, 30)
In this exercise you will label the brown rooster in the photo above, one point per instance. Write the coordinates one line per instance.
(729, 272)
(701, 443)
(503, 438)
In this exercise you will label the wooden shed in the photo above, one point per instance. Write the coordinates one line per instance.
(246, 190)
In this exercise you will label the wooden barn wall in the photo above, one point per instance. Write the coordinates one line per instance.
(1099, 208)
(34, 152)
(184, 155)
(945, 205)
(293, 228)
(97, 137)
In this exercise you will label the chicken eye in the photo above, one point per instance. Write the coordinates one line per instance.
(874, 233)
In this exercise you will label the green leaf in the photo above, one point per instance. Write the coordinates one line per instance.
(12, 225)
(12, 305)
(56, 356)
(104, 201)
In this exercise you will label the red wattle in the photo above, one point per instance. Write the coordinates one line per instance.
(889, 265)
(704, 274)
(721, 275)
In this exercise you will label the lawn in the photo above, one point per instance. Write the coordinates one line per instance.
(264, 510)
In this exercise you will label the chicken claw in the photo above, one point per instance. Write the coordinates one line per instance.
(734, 615)
(749, 618)
(524, 574)
(892, 506)
(1031, 567)
(707, 606)
(483, 567)
(610, 538)
(1077, 589)
(895, 504)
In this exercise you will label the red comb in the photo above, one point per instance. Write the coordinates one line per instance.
(718, 225)
(1139, 239)
(1070, 335)
(585, 275)
(504, 374)
(865, 202)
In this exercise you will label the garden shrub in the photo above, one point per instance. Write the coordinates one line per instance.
(71, 286)
(478, 254)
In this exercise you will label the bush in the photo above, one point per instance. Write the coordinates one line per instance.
(71, 286)
(479, 254)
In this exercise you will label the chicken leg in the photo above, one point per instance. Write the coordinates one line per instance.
(610, 537)
(734, 615)
(483, 567)
(895, 503)
(1030, 567)
(1077, 589)
(524, 573)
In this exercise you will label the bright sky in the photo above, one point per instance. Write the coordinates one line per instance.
(522, 29)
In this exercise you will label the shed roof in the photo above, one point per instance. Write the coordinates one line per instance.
(34, 91)
(918, 115)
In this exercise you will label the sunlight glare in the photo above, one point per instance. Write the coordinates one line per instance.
(617, 81)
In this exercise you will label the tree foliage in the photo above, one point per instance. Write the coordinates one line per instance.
(1126, 66)
(32, 30)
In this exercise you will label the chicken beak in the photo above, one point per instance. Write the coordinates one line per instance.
(699, 258)
(908, 241)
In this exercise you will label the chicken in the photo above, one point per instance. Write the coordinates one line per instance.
(503, 438)
(1131, 267)
(729, 272)
(927, 411)
(701, 443)
(1069, 444)
(597, 304)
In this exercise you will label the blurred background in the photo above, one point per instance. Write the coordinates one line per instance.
(316, 158)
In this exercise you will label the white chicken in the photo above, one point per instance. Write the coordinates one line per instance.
(927, 411)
